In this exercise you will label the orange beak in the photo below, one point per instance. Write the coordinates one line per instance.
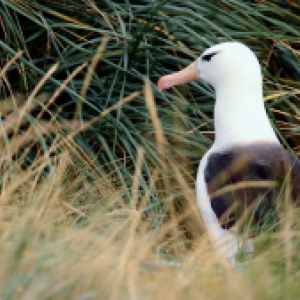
(188, 74)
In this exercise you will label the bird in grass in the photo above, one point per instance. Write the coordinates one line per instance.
(239, 177)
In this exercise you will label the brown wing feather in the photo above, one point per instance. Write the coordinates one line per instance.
(246, 183)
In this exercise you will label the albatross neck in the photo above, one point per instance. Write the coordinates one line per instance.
(240, 116)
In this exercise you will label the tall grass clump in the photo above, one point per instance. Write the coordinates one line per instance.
(98, 167)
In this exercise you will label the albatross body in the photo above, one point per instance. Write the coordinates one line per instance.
(237, 177)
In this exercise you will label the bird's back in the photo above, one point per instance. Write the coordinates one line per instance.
(250, 184)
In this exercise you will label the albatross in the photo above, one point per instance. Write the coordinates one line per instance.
(240, 176)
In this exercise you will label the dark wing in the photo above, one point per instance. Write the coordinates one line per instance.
(246, 183)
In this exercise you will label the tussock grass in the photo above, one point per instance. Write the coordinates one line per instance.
(69, 229)
(97, 181)
(70, 233)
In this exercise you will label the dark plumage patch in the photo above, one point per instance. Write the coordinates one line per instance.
(208, 57)
(259, 164)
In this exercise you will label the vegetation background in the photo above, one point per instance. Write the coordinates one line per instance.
(97, 166)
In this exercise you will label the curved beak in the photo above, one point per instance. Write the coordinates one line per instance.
(188, 74)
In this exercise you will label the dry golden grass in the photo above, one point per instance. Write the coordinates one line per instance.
(69, 230)
(67, 236)
(66, 233)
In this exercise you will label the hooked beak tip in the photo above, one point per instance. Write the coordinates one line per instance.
(161, 84)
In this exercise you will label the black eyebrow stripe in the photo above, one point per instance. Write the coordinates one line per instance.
(208, 57)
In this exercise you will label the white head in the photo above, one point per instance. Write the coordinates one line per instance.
(223, 64)
(233, 70)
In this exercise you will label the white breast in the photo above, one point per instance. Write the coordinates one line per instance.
(225, 243)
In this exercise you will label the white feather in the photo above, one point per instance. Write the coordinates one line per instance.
(239, 118)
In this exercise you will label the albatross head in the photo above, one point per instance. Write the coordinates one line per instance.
(229, 63)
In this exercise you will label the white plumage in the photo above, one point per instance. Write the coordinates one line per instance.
(240, 120)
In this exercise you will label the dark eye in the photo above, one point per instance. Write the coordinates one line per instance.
(208, 57)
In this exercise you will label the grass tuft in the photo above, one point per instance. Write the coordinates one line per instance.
(98, 167)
